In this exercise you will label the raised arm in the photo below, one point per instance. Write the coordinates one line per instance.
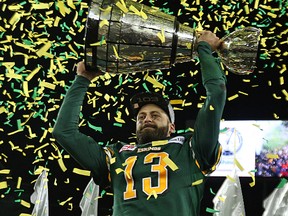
(206, 129)
(66, 131)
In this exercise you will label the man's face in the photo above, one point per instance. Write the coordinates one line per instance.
(152, 124)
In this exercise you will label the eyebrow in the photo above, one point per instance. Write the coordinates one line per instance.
(152, 112)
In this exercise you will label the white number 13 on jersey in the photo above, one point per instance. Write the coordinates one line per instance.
(160, 168)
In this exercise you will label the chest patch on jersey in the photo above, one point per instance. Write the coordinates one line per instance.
(177, 139)
(128, 148)
(150, 148)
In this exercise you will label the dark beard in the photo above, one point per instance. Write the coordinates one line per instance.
(149, 134)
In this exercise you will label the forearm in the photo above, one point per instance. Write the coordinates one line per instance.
(207, 123)
(68, 117)
(81, 147)
(210, 67)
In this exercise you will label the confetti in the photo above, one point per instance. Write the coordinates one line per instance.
(82, 172)
(272, 156)
(210, 210)
(3, 185)
(153, 193)
(159, 142)
(122, 6)
(170, 163)
(200, 181)
(161, 36)
(282, 183)
(40, 43)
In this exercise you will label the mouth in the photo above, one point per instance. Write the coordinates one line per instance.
(148, 126)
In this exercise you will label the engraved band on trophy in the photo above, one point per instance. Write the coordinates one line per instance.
(127, 37)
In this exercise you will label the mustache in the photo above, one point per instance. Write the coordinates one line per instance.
(148, 125)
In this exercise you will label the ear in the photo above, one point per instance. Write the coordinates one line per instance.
(171, 128)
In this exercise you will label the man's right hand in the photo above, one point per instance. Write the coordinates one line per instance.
(90, 75)
(210, 38)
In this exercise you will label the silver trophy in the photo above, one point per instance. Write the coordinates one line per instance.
(127, 37)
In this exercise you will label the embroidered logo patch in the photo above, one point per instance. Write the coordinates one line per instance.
(177, 139)
(128, 148)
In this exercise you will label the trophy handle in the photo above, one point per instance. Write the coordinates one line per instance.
(239, 49)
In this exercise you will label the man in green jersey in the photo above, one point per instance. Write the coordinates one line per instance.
(162, 174)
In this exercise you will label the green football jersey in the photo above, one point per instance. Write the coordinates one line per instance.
(158, 178)
(165, 177)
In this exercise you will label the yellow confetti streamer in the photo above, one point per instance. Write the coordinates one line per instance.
(5, 172)
(154, 194)
(200, 181)
(116, 53)
(155, 83)
(3, 185)
(82, 172)
(119, 120)
(25, 204)
(285, 93)
(25, 88)
(65, 201)
(170, 163)
(230, 178)
(103, 22)
(62, 165)
(275, 116)
(272, 156)
(276, 97)
(15, 19)
(176, 101)
(159, 142)
(70, 3)
(233, 97)
(256, 4)
(47, 85)
(71, 48)
(19, 183)
(122, 6)
(283, 69)
(119, 170)
(237, 163)
(143, 14)
(221, 198)
(113, 160)
(243, 93)
(134, 10)
(62, 8)
(106, 10)
(43, 49)
(161, 36)
(41, 6)
(31, 75)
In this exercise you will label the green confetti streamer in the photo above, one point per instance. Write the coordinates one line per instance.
(212, 192)
(282, 183)
(117, 124)
(210, 210)
(103, 192)
(96, 128)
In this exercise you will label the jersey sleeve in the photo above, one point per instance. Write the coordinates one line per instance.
(206, 129)
(84, 149)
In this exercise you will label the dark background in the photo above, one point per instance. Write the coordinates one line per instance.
(26, 143)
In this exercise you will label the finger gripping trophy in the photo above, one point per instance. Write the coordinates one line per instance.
(127, 37)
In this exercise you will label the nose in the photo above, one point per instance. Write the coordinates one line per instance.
(148, 118)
